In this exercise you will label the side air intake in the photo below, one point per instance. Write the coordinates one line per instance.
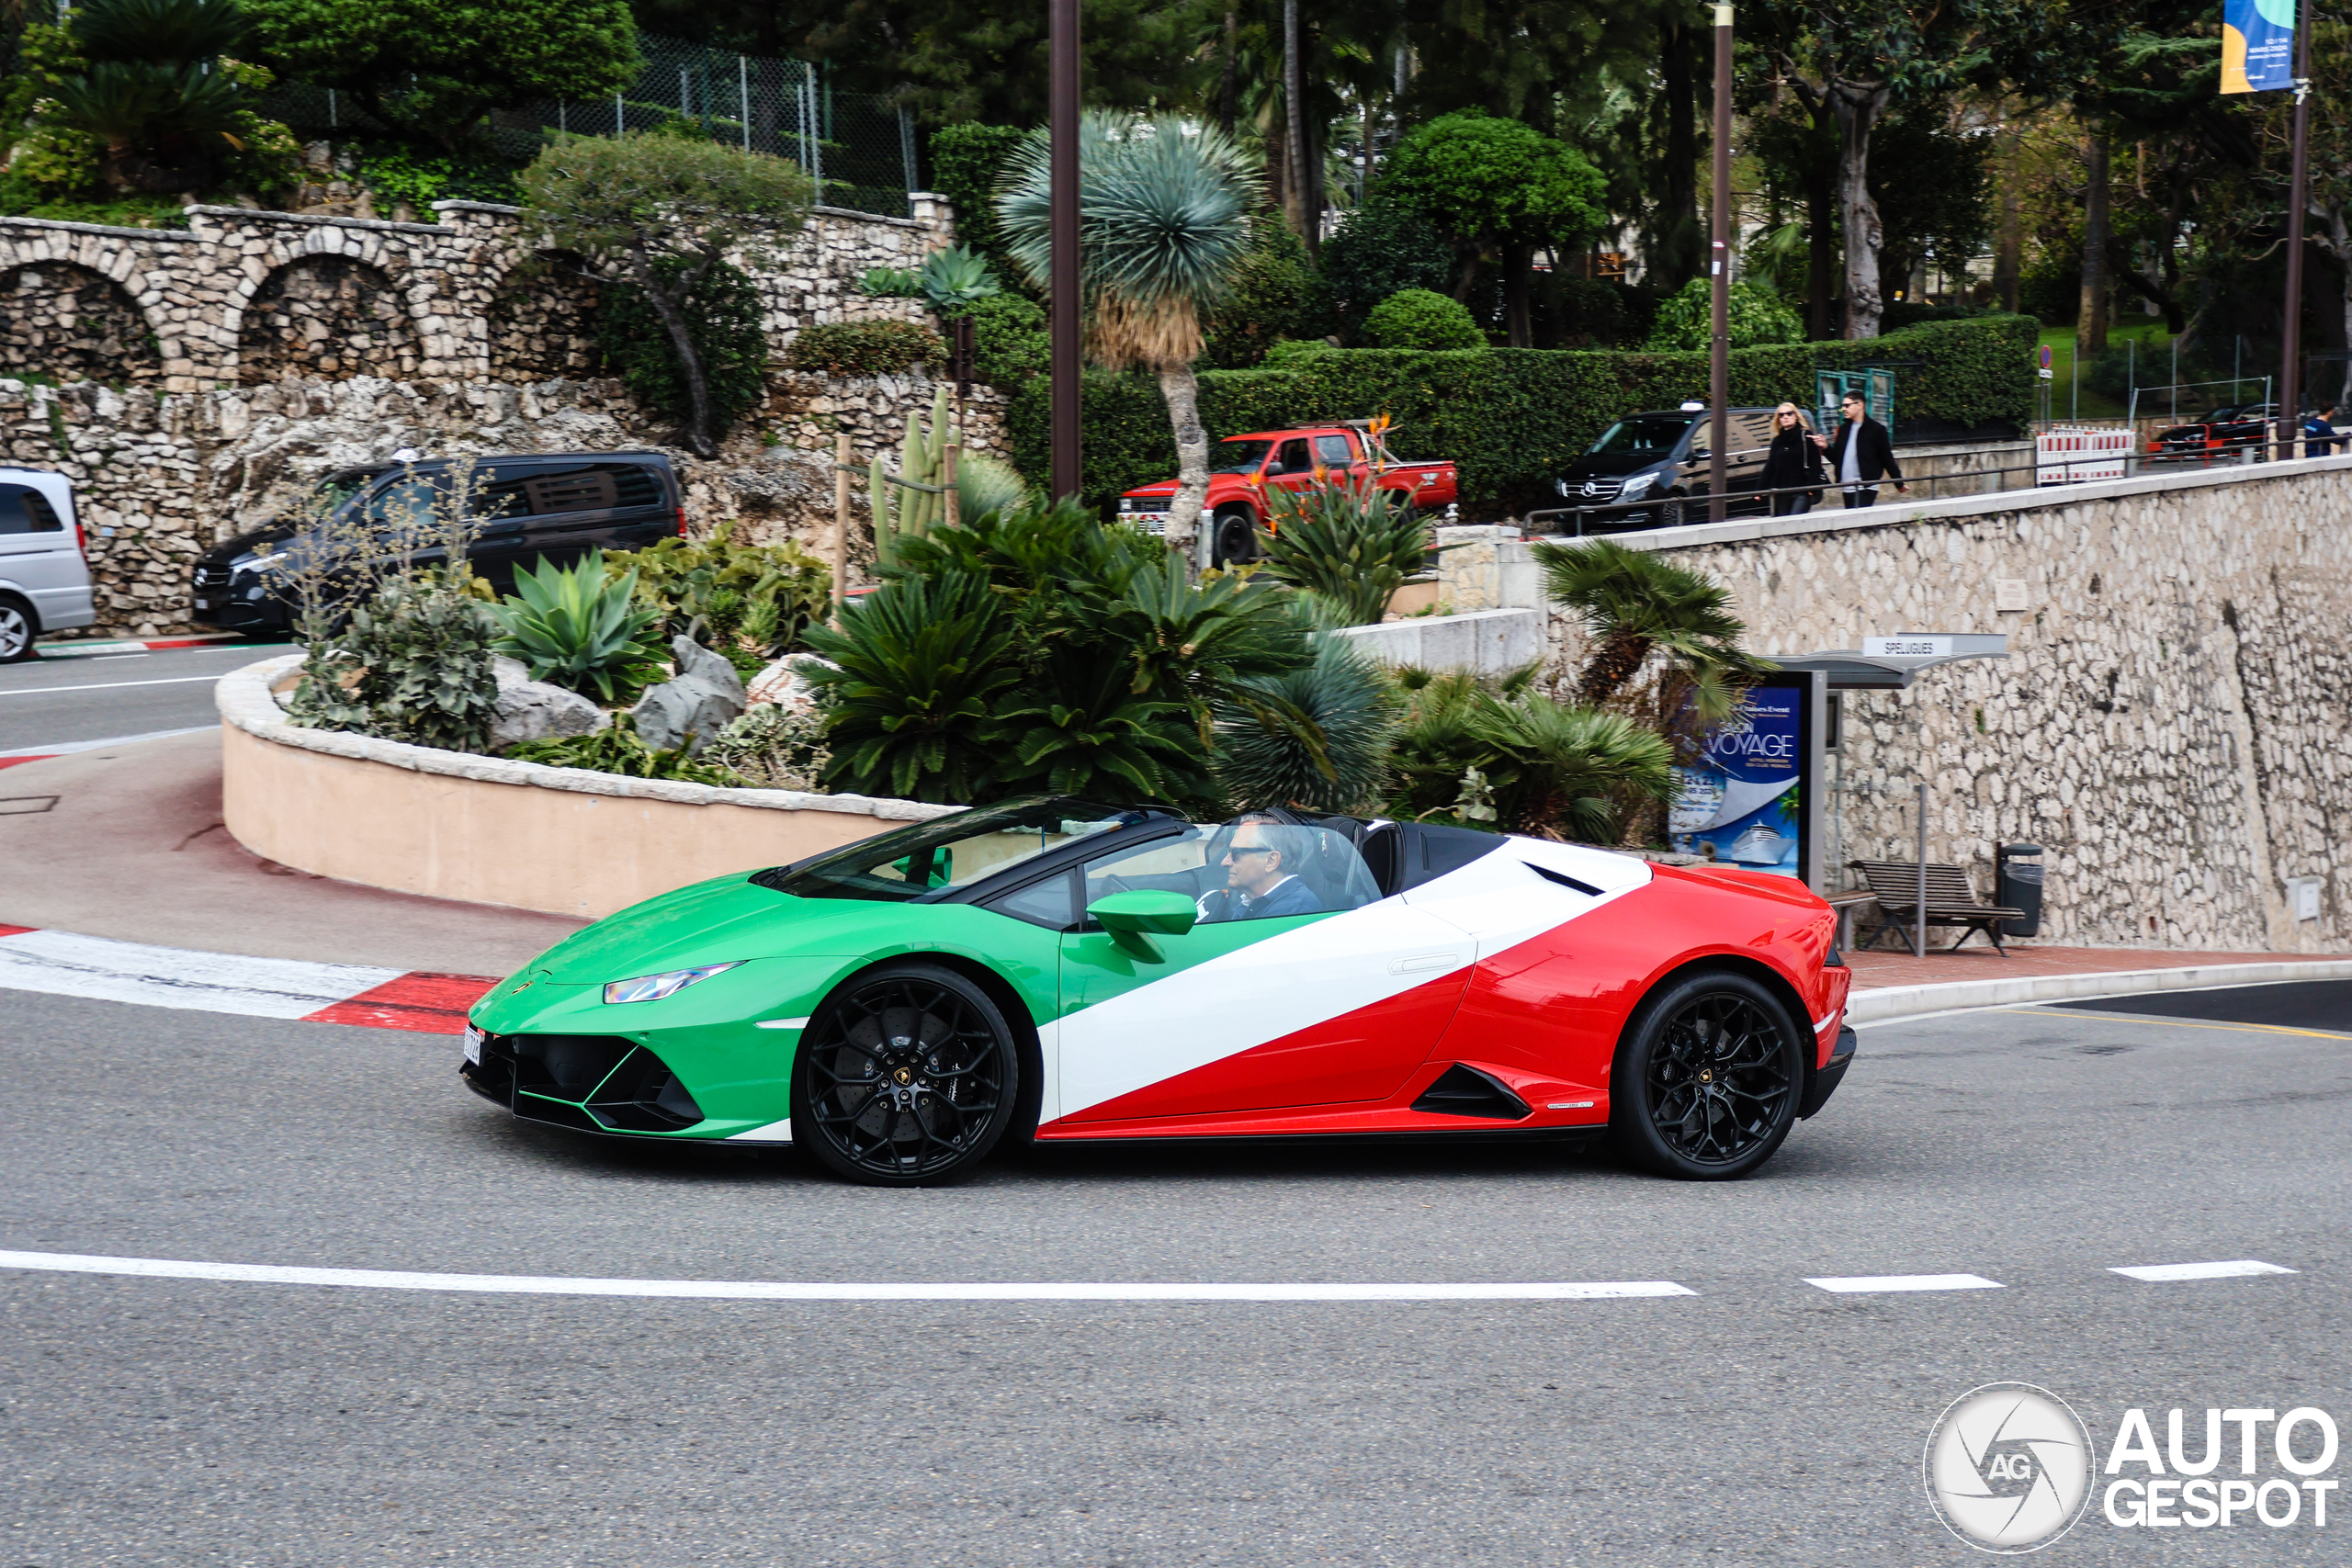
(1464, 1091)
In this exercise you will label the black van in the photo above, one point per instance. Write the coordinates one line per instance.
(531, 507)
(1652, 470)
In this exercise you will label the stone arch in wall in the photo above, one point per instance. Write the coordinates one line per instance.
(542, 321)
(70, 323)
(326, 316)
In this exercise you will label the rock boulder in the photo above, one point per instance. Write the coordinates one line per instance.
(690, 708)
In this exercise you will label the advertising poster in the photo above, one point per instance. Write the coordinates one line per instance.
(2257, 46)
(1741, 794)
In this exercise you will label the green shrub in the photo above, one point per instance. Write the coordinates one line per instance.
(1756, 316)
(867, 348)
(1271, 297)
(723, 314)
(1514, 418)
(965, 162)
(397, 172)
(1519, 762)
(616, 749)
(577, 628)
(755, 600)
(775, 747)
(1351, 548)
(414, 663)
(1379, 250)
(1011, 344)
(1422, 318)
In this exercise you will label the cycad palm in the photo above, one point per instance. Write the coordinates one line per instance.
(1163, 222)
(1632, 601)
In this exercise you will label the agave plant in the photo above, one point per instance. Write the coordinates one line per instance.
(920, 666)
(1352, 545)
(949, 280)
(1163, 229)
(574, 626)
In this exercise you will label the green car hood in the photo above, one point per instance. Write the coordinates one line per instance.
(725, 920)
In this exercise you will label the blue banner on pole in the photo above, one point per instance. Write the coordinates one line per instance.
(2257, 46)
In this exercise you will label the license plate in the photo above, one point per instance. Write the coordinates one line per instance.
(473, 1045)
(204, 604)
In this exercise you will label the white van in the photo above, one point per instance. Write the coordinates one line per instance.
(44, 579)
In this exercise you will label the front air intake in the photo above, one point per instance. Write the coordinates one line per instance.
(1464, 1091)
(644, 1096)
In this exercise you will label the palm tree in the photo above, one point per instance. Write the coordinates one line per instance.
(1632, 601)
(1163, 222)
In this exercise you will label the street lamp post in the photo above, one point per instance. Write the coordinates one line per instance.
(1063, 281)
(1719, 261)
(2298, 197)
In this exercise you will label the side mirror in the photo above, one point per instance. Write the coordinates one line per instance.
(1131, 918)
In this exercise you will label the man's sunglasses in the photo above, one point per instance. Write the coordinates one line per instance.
(1250, 849)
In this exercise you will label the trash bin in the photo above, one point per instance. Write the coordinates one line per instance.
(2017, 885)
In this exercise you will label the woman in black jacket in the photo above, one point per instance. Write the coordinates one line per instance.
(1794, 460)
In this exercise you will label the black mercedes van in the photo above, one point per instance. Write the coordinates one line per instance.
(529, 507)
(1652, 470)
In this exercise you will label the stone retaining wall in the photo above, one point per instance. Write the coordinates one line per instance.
(2173, 723)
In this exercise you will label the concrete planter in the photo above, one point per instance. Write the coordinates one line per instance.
(486, 831)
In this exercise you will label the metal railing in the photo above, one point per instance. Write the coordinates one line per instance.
(1693, 506)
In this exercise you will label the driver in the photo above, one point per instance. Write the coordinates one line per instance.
(1259, 879)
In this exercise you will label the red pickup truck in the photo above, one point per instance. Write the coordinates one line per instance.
(1242, 467)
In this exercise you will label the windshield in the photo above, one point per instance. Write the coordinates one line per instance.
(1236, 456)
(1643, 433)
(952, 851)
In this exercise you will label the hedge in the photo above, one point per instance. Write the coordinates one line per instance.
(1513, 418)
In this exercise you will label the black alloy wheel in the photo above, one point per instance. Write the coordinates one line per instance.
(1707, 1083)
(1233, 538)
(909, 1075)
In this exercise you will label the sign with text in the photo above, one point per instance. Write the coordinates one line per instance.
(2257, 46)
(1907, 648)
(1740, 796)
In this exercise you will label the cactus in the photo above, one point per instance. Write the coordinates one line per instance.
(922, 460)
(880, 492)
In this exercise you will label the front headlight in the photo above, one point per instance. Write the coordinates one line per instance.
(653, 987)
(1638, 485)
(1562, 486)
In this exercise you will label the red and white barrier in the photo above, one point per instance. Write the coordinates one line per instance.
(2073, 454)
(66, 965)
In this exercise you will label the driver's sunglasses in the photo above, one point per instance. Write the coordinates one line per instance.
(1249, 850)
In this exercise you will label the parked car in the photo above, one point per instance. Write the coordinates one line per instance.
(1242, 467)
(44, 572)
(1062, 970)
(2227, 429)
(534, 507)
(1653, 469)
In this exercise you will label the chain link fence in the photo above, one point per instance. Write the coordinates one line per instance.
(858, 147)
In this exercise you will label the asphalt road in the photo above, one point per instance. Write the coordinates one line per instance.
(1761, 1420)
(44, 702)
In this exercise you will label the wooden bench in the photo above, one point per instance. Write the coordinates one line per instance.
(1950, 900)
(1848, 905)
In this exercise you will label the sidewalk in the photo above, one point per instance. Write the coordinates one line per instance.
(1877, 970)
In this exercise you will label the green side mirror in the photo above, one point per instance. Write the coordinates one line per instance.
(1145, 910)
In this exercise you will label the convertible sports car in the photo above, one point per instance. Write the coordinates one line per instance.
(1053, 969)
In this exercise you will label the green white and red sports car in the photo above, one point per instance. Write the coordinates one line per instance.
(1059, 970)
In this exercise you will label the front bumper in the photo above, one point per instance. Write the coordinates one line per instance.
(1827, 1078)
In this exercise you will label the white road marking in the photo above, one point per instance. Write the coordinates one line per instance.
(2160, 1273)
(1860, 1283)
(110, 685)
(63, 748)
(784, 1290)
(63, 963)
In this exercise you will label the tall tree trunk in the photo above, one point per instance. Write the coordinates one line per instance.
(1820, 252)
(2090, 325)
(1674, 249)
(695, 436)
(1278, 164)
(1294, 122)
(2008, 224)
(1182, 394)
(1231, 88)
(1518, 317)
(1859, 106)
(1312, 136)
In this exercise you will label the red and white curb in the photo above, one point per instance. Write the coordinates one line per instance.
(65, 964)
(94, 649)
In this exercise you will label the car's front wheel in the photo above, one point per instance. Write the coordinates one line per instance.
(1706, 1084)
(16, 630)
(1233, 538)
(908, 1075)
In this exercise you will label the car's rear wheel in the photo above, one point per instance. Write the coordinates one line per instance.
(1707, 1083)
(908, 1075)
(16, 630)
(1233, 538)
